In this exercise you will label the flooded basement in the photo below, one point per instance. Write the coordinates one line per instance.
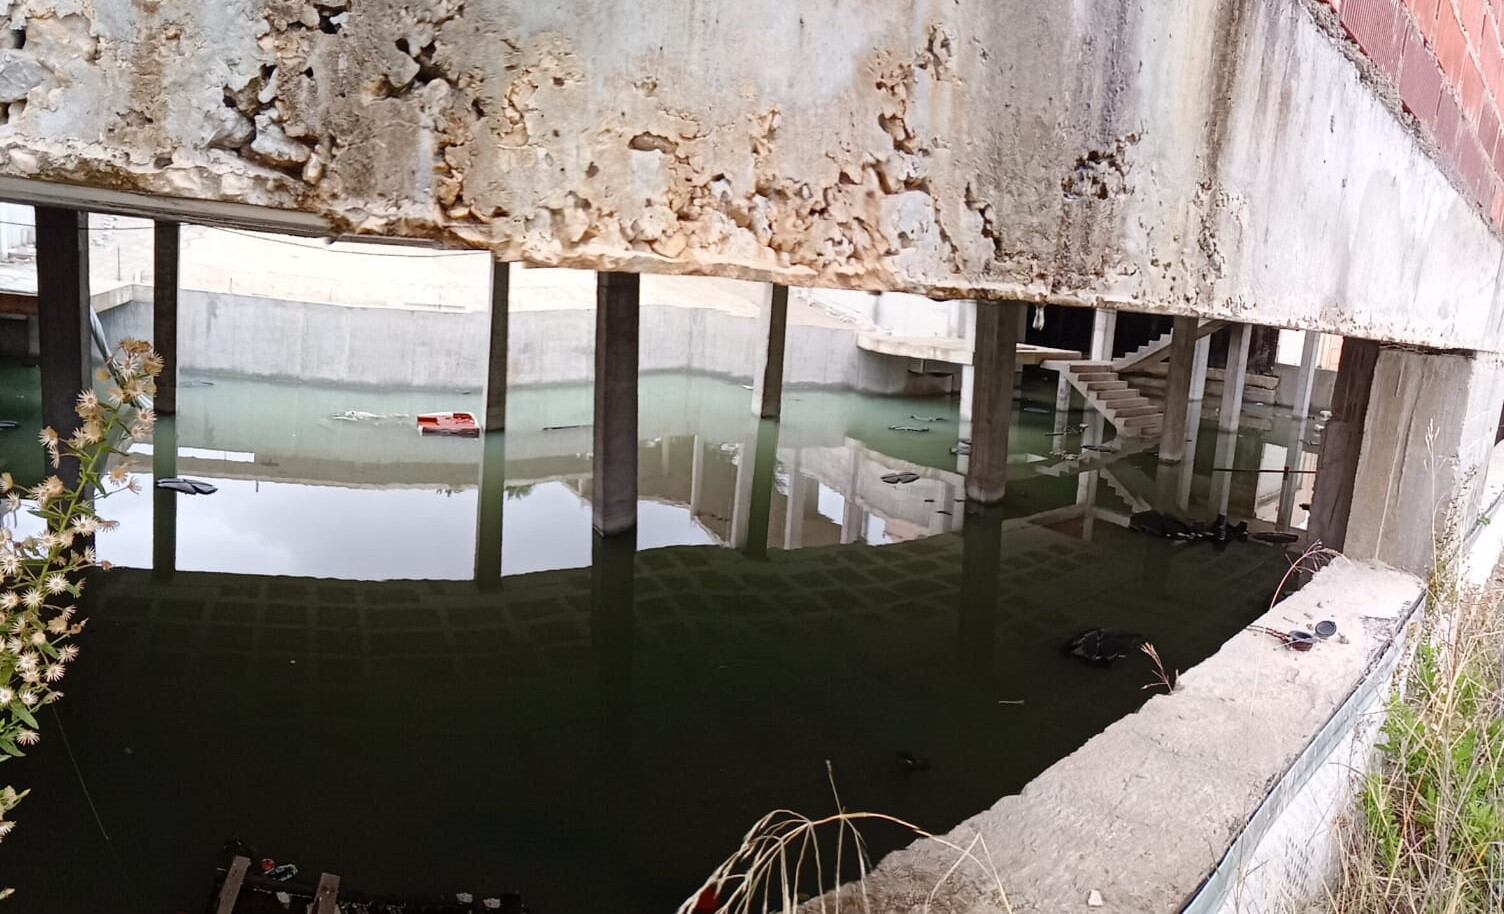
(344, 665)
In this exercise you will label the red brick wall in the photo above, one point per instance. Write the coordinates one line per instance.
(1446, 58)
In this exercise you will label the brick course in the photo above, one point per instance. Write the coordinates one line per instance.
(1446, 58)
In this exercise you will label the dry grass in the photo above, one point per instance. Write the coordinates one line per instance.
(1428, 834)
(780, 864)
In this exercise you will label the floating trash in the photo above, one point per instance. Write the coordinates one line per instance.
(1039, 409)
(462, 425)
(192, 385)
(929, 418)
(1097, 447)
(186, 486)
(561, 428)
(360, 415)
(899, 478)
(962, 448)
(1274, 537)
(1071, 430)
(8, 424)
(907, 428)
(1104, 645)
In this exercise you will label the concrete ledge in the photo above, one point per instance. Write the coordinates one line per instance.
(1147, 809)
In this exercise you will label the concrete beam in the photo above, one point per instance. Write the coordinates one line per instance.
(614, 464)
(164, 314)
(992, 400)
(767, 383)
(63, 318)
(1234, 377)
(495, 419)
(1178, 390)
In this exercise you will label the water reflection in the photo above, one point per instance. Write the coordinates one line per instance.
(410, 661)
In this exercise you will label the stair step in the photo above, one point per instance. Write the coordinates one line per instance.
(1138, 421)
(1132, 412)
(1127, 403)
(1106, 385)
(1090, 376)
(1081, 367)
(1123, 393)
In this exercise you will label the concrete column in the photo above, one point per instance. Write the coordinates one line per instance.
(1198, 368)
(1235, 377)
(1427, 439)
(981, 564)
(1104, 332)
(1341, 443)
(63, 318)
(767, 382)
(1306, 378)
(614, 467)
(992, 404)
(164, 502)
(495, 419)
(968, 391)
(1187, 469)
(1178, 390)
(164, 314)
(490, 510)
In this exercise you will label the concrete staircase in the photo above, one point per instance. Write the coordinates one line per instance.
(1158, 349)
(1130, 412)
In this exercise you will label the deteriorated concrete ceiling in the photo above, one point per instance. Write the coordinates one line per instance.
(1220, 157)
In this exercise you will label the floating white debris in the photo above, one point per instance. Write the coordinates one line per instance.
(1095, 900)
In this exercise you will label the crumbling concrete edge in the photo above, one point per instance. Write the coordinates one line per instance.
(1345, 741)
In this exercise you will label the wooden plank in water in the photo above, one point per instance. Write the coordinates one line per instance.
(230, 889)
(324, 897)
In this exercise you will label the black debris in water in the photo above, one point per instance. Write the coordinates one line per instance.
(899, 478)
(1104, 645)
(187, 486)
(906, 428)
(8, 424)
(928, 418)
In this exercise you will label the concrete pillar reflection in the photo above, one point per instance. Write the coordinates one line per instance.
(853, 518)
(750, 513)
(1290, 481)
(801, 492)
(1199, 362)
(614, 465)
(1087, 483)
(981, 566)
(164, 322)
(490, 510)
(1221, 482)
(1187, 468)
(613, 591)
(164, 502)
(696, 478)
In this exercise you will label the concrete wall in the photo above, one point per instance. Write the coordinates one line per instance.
(391, 347)
(1218, 157)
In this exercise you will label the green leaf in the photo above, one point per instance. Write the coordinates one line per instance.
(24, 714)
(9, 748)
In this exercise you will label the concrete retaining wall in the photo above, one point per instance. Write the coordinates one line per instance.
(389, 347)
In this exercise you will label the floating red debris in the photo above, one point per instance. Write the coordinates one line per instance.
(461, 424)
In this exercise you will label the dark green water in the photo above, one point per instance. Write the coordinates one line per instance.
(332, 670)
